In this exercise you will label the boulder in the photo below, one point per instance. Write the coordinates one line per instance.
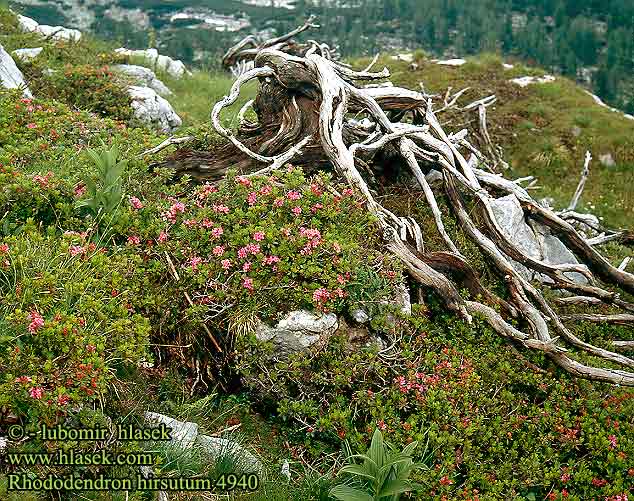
(183, 433)
(535, 240)
(10, 76)
(53, 32)
(185, 436)
(173, 67)
(27, 54)
(152, 109)
(297, 331)
(452, 62)
(143, 76)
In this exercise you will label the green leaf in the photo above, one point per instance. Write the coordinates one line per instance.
(347, 493)
(393, 487)
(357, 469)
(377, 450)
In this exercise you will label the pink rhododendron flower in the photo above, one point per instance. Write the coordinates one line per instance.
(294, 195)
(252, 198)
(286, 232)
(194, 262)
(242, 253)
(207, 223)
(296, 210)
(316, 190)
(218, 250)
(246, 266)
(613, 441)
(341, 279)
(43, 181)
(79, 190)
(220, 208)
(278, 202)
(316, 207)
(244, 181)
(63, 399)
(136, 203)
(31, 126)
(321, 295)
(266, 190)
(190, 223)
(173, 211)
(271, 260)
(337, 247)
(205, 190)
(23, 379)
(565, 477)
(381, 424)
(134, 240)
(36, 392)
(253, 248)
(347, 192)
(36, 322)
(258, 236)
(226, 263)
(216, 232)
(4, 248)
(162, 237)
(248, 284)
(91, 348)
(76, 250)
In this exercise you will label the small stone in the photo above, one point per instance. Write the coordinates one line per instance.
(152, 109)
(143, 76)
(360, 316)
(607, 160)
(183, 433)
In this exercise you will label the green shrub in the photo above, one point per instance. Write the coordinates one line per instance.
(495, 428)
(91, 88)
(66, 323)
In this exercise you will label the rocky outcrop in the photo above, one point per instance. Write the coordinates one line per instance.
(173, 67)
(27, 54)
(185, 435)
(536, 240)
(152, 109)
(53, 32)
(143, 76)
(10, 76)
(526, 81)
(298, 331)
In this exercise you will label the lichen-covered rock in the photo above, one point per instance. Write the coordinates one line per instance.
(298, 331)
(528, 80)
(143, 76)
(53, 32)
(10, 75)
(174, 67)
(152, 109)
(535, 240)
(27, 54)
(607, 160)
(183, 433)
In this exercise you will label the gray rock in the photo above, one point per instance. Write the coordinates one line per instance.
(183, 433)
(152, 109)
(298, 331)
(360, 316)
(242, 461)
(535, 240)
(174, 67)
(607, 160)
(143, 76)
(27, 54)
(53, 32)
(10, 76)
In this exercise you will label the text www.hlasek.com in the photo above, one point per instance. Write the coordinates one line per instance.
(102, 458)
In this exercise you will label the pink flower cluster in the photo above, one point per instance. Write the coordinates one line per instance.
(4, 248)
(136, 203)
(43, 181)
(248, 284)
(218, 250)
(419, 383)
(266, 190)
(134, 240)
(252, 198)
(248, 249)
(278, 202)
(244, 181)
(323, 295)
(271, 260)
(23, 379)
(613, 442)
(36, 392)
(36, 322)
(220, 208)
(77, 250)
(216, 232)
(314, 240)
(174, 210)
(205, 190)
(258, 236)
(194, 262)
(294, 195)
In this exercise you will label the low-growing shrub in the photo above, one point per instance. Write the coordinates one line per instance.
(494, 427)
(66, 323)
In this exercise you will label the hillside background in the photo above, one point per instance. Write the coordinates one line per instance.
(589, 41)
